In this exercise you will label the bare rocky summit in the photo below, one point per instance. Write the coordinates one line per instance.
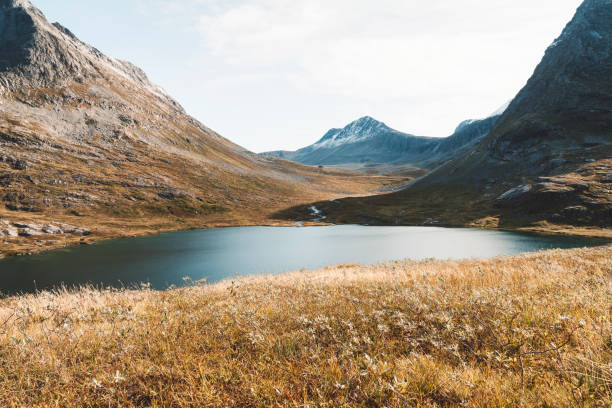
(44, 65)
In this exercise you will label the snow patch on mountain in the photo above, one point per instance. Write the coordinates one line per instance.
(501, 109)
(357, 131)
(498, 112)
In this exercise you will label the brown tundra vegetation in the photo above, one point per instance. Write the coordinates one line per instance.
(525, 331)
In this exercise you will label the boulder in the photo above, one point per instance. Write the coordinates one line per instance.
(28, 226)
(29, 232)
(82, 231)
(71, 229)
(52, 229)
(9, 231)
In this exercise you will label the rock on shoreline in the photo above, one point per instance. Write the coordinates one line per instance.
(15, 229)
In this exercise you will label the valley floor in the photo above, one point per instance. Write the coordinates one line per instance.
(526, 331)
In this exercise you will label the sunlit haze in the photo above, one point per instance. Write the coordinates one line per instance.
(277, 74)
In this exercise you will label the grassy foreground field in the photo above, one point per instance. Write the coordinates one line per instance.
(525, 331)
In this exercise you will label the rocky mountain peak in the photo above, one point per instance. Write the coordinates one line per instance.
(367, 122)
(365, 126)
(17, 3)
(360, 129)
(70, 91)
(35, 53)
(580, 55)
(366, 119)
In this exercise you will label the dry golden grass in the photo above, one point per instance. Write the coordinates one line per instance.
(525, 331)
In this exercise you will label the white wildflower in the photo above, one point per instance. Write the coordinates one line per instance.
(117, 378)
(383, 328)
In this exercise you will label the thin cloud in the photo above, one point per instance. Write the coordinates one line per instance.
(378, 50)
(290, 69)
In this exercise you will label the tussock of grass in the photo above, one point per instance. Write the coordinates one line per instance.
(526, 331)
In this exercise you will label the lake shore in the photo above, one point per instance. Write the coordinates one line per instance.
(131, 228)
(529, 330)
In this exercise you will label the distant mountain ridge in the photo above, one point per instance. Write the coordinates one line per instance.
(362, 141)
(368, 141)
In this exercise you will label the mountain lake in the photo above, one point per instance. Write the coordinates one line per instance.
(217, 254)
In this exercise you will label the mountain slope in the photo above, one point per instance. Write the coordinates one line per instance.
(89, 141)
(468, 133)
(547, 160)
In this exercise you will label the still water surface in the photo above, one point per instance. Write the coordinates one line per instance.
(216, 254)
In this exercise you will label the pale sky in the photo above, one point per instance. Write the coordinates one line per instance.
(277, 74)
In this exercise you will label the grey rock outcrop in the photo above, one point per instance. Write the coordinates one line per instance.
(24, 229)
(29, 232)
(6, 229)
(52, 230)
